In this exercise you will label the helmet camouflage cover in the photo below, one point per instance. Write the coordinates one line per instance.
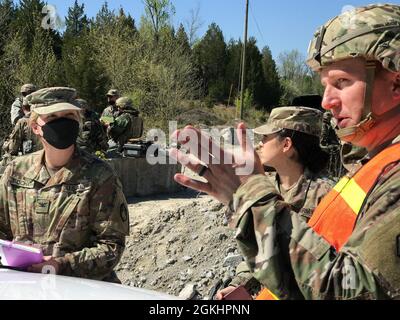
(28, 88)
(124, 103)
(371, 32)
(112, 93)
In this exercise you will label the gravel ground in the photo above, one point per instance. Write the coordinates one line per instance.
(179, 245)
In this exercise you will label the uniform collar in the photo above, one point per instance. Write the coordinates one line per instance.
(39, 173)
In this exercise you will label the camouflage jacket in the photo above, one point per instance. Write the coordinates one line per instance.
(22, 139)
(121, 130)
(294, 262)
(109, 111)
(79, 215)
(16, 112)
(92, 137)
(303, 198)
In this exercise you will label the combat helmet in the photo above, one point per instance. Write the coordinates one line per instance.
(370, 32)
(124, 103)
(113, 93)
(28, 88)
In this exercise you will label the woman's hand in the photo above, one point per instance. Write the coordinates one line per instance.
(48, 266)
(226, 170)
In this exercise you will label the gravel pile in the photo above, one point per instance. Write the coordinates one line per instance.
(180, 246)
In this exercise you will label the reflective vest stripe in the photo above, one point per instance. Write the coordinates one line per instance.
(336, 215)
(354, 195)
(265, 294)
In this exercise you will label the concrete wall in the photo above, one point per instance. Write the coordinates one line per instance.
(139, 178)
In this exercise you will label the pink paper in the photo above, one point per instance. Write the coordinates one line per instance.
(19, 255)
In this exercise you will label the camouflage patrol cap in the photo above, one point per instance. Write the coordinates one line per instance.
(28, 88)
(371, 32)
(50, 100)
(303, 119)
(124, 103)
(113, 93)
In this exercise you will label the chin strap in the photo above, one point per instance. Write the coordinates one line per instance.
(354, 133)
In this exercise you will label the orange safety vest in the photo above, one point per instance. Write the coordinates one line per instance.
(336, 215)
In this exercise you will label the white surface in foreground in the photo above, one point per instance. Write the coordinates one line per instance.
(16, 285)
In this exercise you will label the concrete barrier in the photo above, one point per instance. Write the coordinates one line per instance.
(139, 178)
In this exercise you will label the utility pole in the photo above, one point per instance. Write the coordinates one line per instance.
(244, 62)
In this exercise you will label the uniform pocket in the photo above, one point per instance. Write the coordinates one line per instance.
(21, 209)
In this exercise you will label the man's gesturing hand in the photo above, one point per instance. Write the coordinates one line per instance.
(226, 169)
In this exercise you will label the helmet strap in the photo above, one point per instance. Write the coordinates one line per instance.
(369, 119)
(354, 133)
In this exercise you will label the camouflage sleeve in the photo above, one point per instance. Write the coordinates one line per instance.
(119, 126)
(110, 213)
(292, 261)
(242, 276)
(100, 136)
(16, 112)
(5, 223)
(15, 140)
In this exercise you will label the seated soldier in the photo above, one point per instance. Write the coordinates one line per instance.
(127, 124)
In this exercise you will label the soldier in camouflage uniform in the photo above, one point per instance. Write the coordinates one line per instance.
(111, 110)
(92, 137)
(16, 108)
(350, 247)
(291, 146)
(22, 140)
(125, 125)
(63, 199)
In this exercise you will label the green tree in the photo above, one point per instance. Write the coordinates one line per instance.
(81, 68)
(126, 24)
(83, 72)
(7, 15)
(183, 40)
(27, 20)
(211, 57)
(76, 21)
(158, 14)
(296, 77)
(233, 67)
(255, 81)
(104, 18)
(271, 75)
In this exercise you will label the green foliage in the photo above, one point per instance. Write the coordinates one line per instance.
(182, 40)
(273, 88)
(161, 68)
(211, 57)
(248, 102)
(297, 77)
(158, 15)
(76, 21)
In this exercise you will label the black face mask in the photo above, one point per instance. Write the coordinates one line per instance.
(61, 133)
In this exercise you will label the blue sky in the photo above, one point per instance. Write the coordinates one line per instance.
(282, 25)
